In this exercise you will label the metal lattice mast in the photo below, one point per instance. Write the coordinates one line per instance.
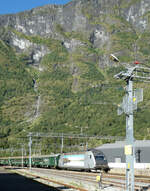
(128, 105)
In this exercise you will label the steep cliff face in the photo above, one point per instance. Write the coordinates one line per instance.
(100, 21)
(65, 54)
(76, 15)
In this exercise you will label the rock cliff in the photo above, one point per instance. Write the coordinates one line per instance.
(99, 21)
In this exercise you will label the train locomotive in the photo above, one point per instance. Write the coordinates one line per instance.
(90, 160)
(84, 161)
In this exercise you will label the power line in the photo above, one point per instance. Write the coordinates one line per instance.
(73, 136)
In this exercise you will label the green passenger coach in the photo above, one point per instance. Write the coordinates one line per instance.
(50, 161)
(47, 161)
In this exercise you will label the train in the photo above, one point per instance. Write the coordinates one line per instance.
(83, 161)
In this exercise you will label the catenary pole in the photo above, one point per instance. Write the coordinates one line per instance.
(62, 143)
(141, 74)
(22, 155)
(30, 144)
(130, 156)
(128, 110)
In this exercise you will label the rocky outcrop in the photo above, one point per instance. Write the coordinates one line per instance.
(88, 16)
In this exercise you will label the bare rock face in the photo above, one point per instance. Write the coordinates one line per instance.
(74, 16)
(72, 44)
(137, 15)
(93, 18)
(98, 21)
(99, 37)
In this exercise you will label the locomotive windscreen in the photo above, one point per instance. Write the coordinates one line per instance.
(99, 157)
(97, 152)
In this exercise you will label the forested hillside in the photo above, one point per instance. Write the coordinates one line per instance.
(56, 74)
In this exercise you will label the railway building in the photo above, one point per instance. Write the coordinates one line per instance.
(116, 158)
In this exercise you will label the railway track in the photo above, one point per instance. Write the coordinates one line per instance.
(108, 179)
(141, 182)
(111, 181)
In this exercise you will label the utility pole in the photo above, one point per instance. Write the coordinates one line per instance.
(30, 144)
(62, 143)
(22, 155)
(129, 148)
(128, 105)
(86, 145)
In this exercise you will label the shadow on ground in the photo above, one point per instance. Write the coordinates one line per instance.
(10, 181)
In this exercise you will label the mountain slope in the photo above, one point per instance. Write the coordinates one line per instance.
(56, 75)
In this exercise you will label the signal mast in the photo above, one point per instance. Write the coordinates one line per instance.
(129, 104)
